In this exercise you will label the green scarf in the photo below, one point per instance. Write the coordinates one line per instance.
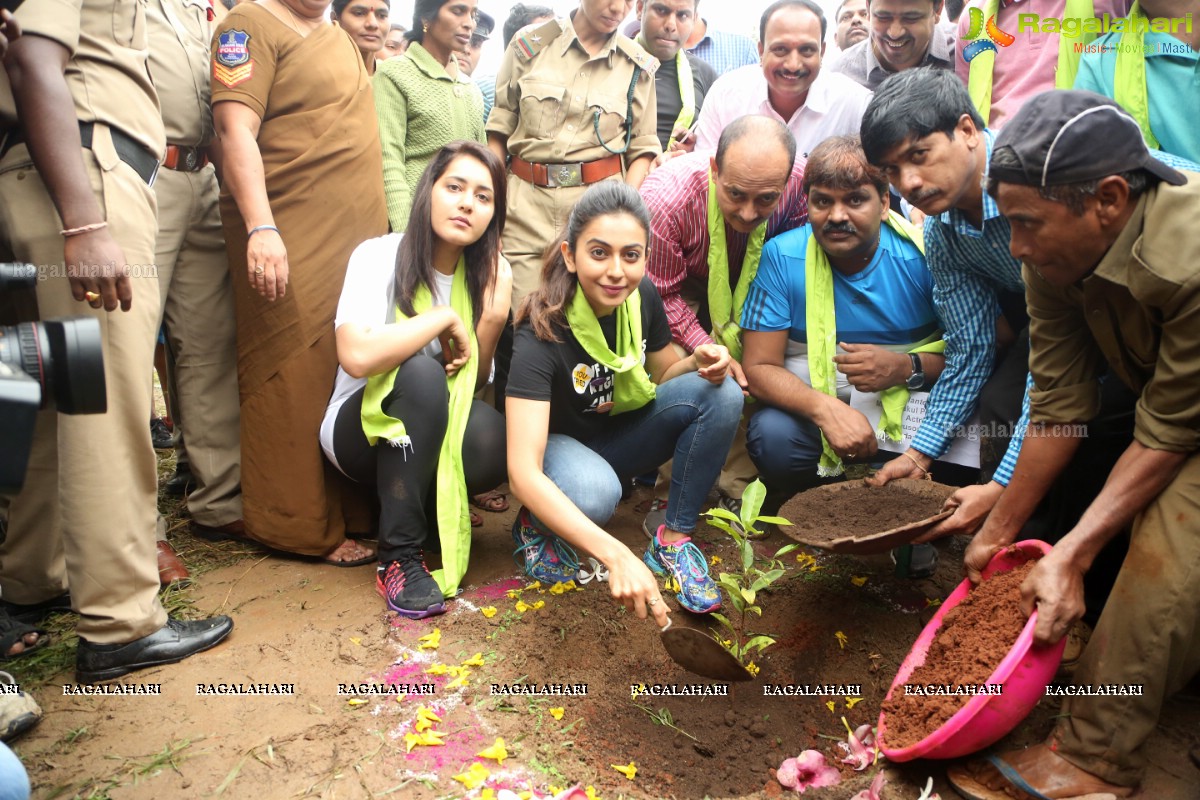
(1129, 78)
(632, 388)
(724, 306)
(453, 513)
(687, 89)
(979, 78)
(821, 327)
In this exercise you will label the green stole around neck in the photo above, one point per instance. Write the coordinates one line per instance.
(724, 305)
(632, 388)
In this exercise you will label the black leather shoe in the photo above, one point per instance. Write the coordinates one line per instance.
(173, 642)
(180, 483)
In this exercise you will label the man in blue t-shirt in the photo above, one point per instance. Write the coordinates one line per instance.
(857, 272)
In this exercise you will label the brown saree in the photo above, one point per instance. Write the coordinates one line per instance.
(323, 170)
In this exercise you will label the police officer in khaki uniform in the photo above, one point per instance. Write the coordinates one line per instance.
(193, 272)
(75, 199)
(574, 105)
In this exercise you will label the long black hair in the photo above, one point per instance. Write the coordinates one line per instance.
(423, 12)
(545, 308)
(414, 259)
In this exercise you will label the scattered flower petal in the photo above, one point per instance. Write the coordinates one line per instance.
(354, 702)
(430, 641)
(928, 793)
(537, 605)
(474, 661)
(535, 585)
(356, 640)
(557, 713)
(522, 606)
(805, 771)
(830, 705)
(591, 793)
(437, 669)
(930, 602)
(714, 560)
(629, 770)
(841, 639)
(851, 702)
(752, 668)
(573, 793)
(859, 580)
(458, 682)
(488, 611)
(513, 594)
(425, 719)
(487, 794)
(859, 749)
(876, 787)
(424, 739)
(496, 752)
(475, 775)
(563, 588)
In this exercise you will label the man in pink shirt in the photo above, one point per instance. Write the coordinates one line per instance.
(1028, 66)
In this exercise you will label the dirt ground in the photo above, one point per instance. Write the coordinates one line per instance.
(317, 627)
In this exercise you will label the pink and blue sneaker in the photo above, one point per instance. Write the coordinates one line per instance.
(545, 557)
(684, 562)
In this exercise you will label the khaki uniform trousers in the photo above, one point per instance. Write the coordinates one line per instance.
(1147, 634)
(197, 302)
(536, 216)
(86, 516)
(738, 471)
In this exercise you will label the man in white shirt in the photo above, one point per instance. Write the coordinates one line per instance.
(789, 86)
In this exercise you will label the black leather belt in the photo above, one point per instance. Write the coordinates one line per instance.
(129, 150)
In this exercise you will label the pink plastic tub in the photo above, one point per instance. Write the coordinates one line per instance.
(1023, 674)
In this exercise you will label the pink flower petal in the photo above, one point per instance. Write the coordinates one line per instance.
(805, 771)
(873, 792)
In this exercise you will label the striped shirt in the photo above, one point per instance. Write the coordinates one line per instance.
(970, 267)
(677, 196)
(725, 51)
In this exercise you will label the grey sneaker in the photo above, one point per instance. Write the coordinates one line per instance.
(656, 518)
(18, 711)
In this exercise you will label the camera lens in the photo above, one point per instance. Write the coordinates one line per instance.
(64, 357)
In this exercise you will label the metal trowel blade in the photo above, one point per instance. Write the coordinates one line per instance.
(699, 653)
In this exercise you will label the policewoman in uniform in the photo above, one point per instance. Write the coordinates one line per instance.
(574, 106)
(75, 175)
(193, 272)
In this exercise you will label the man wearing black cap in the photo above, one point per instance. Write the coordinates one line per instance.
(468, 59)
(1107, 238)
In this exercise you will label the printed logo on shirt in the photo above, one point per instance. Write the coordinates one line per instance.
(581, 376)
(232, 64)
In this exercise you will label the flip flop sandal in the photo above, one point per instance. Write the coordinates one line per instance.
(476, 520)
(492, 501)
(13, 631)
(33, 613)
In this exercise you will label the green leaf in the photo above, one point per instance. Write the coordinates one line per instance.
(787, 548)
(755, 609)
(758, 642)
(773, 575)
(752, 500)
(775, 520)
(729, 582)
(721, 618)
(722, 526)
(722, 513)
(749, 595)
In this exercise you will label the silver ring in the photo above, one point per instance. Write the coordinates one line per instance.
(849, 455)
(260, 269)
(653, 600)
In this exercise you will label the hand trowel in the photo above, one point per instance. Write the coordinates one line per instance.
(698, 652)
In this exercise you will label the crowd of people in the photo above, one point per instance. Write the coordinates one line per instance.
(388, 284)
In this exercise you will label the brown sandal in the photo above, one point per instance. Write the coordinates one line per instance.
(492, 501)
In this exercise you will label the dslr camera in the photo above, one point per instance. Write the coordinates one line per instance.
(56, 364)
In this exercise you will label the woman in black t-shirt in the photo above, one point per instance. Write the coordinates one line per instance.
(596, 394)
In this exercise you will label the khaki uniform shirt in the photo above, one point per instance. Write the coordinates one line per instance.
(107, 73)
(179, 35)
(1138, 312)
(549, 91)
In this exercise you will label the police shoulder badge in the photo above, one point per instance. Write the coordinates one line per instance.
(231, 62)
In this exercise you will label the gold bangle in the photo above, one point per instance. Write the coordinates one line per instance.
(82, 229)
(913, 459)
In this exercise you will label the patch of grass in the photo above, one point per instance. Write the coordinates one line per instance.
(133, 770)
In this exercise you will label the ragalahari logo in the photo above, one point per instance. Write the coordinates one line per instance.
(985, 37)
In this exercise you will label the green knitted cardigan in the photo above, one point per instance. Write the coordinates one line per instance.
(421, 108)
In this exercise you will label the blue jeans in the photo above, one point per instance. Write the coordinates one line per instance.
(786, 449)
(14, 783)
(689, 419)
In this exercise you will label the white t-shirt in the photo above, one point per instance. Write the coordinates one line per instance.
(364, 301)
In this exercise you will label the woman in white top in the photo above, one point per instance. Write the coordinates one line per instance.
(416, 329)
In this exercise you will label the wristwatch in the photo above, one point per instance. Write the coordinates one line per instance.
(917, 379)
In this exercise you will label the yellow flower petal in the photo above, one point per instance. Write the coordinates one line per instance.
(553, 790)
(513, 594)
(851, 702)
(539, 604)
(714, 560)
(430, 641)
(488, 611)
(474, 661)
(522, 606)
(487, 794)
(557, 713)
(475, 775)
(354, 702)
(356, 640)
(930, 602)
(841, 639)
(437, 669)
(590, 791)
(830, 705)
(425, 719)
(629, 770)
(423, 739)
(496, 752)
(563, 588)
(752, 668)
(457, 682)
(859, 581)
(534, 585)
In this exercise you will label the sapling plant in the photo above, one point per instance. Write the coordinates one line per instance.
(757, 574)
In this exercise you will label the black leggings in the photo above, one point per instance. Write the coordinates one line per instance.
(404, 477)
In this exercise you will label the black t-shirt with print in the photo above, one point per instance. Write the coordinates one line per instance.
(579, 390)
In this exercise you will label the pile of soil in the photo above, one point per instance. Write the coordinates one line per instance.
(974, 638)
(856, 509)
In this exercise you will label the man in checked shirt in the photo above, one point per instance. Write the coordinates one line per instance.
(712, 215)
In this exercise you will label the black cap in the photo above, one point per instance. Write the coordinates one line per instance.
(484, 25)
(1072, 136)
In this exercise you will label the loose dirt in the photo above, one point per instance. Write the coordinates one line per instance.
(856, 509)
